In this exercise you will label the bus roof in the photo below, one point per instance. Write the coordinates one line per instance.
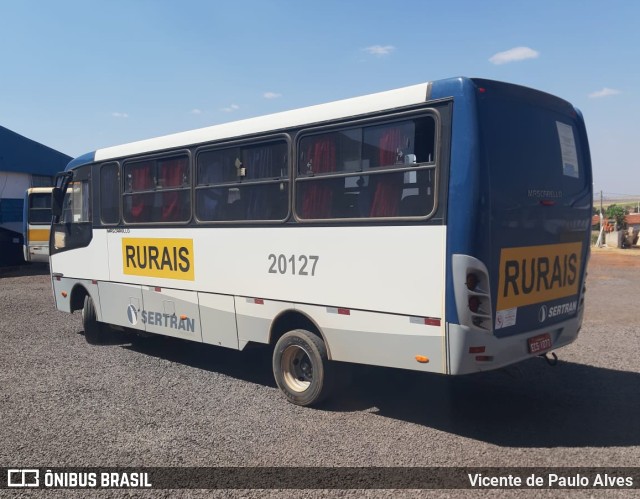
(346, 108)
(401, 97)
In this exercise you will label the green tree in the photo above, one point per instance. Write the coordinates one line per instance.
(617, 213)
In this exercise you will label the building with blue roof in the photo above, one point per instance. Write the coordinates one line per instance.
(24, 163)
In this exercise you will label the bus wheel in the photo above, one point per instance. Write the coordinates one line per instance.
(301, 367)
(94, 332)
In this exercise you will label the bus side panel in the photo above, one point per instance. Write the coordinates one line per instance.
(379, 339)
(64, 288)
(255, 317)
(171, 312)
(395, 269)
(121, 304)
(89, 262)
(218, 320)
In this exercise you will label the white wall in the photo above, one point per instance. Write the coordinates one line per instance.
(13, 186)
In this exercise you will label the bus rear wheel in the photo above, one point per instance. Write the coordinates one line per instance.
(94, 332)
(301, 367)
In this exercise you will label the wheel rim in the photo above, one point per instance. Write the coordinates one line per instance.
(297, 369)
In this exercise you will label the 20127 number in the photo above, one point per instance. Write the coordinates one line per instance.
(295, 265)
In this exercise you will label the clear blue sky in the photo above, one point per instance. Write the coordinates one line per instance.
(81, 75)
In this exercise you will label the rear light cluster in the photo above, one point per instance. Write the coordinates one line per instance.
(479, 302)
(472, 292)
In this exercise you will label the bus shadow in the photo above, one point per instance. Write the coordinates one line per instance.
(252, 364)
(27, 269)
(531, 405)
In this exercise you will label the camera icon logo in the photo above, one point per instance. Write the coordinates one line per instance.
(23, 478)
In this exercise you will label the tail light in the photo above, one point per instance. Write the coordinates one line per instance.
(474, 304)
(472, 292)
(472, 281)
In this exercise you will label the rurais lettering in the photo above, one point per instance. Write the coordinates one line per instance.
(534, 274)
(522, 276)
(170, 258)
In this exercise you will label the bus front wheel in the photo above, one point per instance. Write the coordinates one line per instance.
(94, 332)
(302, 368)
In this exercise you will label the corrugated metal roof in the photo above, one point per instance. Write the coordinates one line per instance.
(20, 154)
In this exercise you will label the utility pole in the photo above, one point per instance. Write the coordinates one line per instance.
(600, 242)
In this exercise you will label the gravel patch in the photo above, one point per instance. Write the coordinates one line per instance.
(166, 402)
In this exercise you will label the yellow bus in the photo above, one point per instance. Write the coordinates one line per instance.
(37, 224)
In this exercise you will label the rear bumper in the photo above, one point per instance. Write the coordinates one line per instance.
(37, 253)
(500, 352)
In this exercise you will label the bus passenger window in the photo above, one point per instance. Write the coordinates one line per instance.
(174, 178)
(377, 171)
(393, 143)
(319, 156)
(244, 183)
(110, 193)
(157, 190)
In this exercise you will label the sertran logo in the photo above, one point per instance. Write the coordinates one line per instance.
(132, 315)
(542, 313)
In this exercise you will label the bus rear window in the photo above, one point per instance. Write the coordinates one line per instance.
(531, 148)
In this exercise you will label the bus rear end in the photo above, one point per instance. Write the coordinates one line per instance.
(519, 292)
(37, 224)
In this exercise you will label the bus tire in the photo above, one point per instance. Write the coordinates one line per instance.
(301, 367)
(94, 332)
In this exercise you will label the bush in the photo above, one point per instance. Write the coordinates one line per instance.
(617, 213)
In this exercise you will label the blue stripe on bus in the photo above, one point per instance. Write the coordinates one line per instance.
(465, 181)
(85, 159)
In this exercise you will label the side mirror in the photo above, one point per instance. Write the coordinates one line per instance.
(57, 197)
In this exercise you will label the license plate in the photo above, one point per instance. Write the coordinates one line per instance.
(540, 343)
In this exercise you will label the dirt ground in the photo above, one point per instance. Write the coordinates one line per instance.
(613, 284)
(614, 257)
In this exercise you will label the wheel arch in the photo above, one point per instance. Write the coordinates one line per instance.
(291, 319)
(76, 300)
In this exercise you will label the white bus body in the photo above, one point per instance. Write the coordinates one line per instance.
(403, 289)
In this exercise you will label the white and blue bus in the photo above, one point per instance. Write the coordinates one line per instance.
(441, 227)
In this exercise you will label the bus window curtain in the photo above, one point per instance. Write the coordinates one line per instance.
(388, 190)
(318, 195)
(173, 173)
(210, 171)
(259, 164)
(141, 180)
